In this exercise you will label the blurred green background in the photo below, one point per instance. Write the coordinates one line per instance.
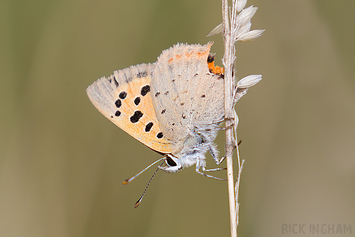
(62, 162)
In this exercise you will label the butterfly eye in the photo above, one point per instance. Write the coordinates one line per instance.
(170, 162)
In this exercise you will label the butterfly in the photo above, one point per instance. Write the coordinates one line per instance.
(174, 106)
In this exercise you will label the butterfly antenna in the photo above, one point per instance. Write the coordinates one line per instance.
(145, 190)
(135, 176)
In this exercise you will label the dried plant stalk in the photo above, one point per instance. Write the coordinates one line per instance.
(228, 114)
(235, 27)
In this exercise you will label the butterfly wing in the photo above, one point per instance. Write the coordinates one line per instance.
(125, 99)
(185, 93)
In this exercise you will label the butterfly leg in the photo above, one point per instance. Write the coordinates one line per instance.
(225, 128)
(201, 164)
(230, 125)
(219, 161)
(213, 151)
(223, 120)
(214, 169)
(208, 175)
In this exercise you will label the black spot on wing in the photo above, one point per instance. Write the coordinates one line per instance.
(118, 103)
(123, 95)
(160, 135)
(142, 74)
(115, 81)
(136, 116)
(145, 90)
(148, 127)
(137, 100)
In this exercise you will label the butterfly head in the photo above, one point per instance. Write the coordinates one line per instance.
(185, 159)
(172, 164)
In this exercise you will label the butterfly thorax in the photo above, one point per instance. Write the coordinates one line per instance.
(192, 149)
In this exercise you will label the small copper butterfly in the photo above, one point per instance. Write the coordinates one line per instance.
(174, 106)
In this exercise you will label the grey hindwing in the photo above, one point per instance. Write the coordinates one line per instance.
(185, 94)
